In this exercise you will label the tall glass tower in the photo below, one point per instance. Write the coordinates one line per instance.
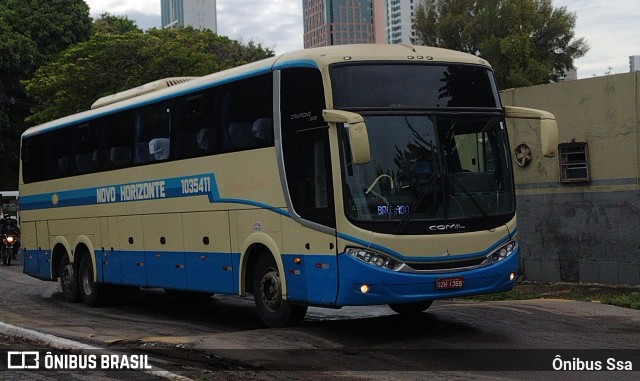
(199, 14)
(337, 22)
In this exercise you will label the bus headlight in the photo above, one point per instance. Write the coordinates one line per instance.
(382, 261)
(501, 253)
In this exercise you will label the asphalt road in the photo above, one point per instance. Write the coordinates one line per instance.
(222, 338)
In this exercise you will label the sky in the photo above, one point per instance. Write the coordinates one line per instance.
(611, 27)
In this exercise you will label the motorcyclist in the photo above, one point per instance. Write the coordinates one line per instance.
(9, 226)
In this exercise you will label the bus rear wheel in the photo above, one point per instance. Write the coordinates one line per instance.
(267, 292)
(68, 280)
(90, 291)
(411, 308)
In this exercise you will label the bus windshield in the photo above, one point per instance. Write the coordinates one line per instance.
(432, 164)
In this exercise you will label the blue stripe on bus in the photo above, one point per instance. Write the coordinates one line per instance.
(155, 189)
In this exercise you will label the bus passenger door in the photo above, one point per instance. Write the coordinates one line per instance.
(306, 156)
(131, 249)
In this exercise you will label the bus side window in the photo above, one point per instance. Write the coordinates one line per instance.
(117, 140)
(246, 114)
(35, 165)
(195, 125)
(153, 127)
(85, 149)
(59, 144)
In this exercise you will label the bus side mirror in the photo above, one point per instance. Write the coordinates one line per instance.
(358, 135)
(548, 126)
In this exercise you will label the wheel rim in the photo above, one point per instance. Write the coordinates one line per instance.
(67, 276)
(87, 280)
(270, 290)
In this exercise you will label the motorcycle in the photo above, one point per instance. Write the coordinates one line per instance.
(8, 242)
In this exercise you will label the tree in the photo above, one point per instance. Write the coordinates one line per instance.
(31, 32)
(527, 42)
(109, 63)
(110, 24)
(53, 25)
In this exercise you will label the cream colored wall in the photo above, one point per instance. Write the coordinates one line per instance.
(584, 232)
(601, 111)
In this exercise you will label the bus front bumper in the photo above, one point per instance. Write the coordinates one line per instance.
(385, 286)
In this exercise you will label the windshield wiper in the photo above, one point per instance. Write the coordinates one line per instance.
(435, 176)
(469, 195)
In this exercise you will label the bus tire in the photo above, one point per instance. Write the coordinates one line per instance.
(90, 291)
(274, 311)
(68, 280)
(411, 308)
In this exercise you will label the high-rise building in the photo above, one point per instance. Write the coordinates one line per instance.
(400, 16)
(634, 63)
(199, 14)
(379, 21)
(337, 22)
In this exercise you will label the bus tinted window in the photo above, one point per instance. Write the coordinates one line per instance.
(401, 86)
(85, 144)
(33, 159)
(195, 125)
(233, 117)
(246, 114)
(117, 139)
(153, 140)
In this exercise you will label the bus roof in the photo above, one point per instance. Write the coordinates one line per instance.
(379, 52)
(315, 57)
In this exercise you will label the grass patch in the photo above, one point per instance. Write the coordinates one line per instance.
(627, 297)
(631, 300)
(514, 294)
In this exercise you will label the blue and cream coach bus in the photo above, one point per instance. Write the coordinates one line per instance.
(346, 175)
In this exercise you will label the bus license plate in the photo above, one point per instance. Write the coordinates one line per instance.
(449, 283)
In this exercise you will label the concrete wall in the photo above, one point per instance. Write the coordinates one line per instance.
(586, 232)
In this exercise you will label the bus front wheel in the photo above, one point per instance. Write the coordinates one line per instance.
(267, 292)
(68, 280)
(411, 308)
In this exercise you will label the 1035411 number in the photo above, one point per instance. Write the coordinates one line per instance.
(195, 185)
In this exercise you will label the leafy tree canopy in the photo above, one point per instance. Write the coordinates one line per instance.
(527, 42)
(31, 32)
(110, 24)
(53, 25)
(109, 63)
